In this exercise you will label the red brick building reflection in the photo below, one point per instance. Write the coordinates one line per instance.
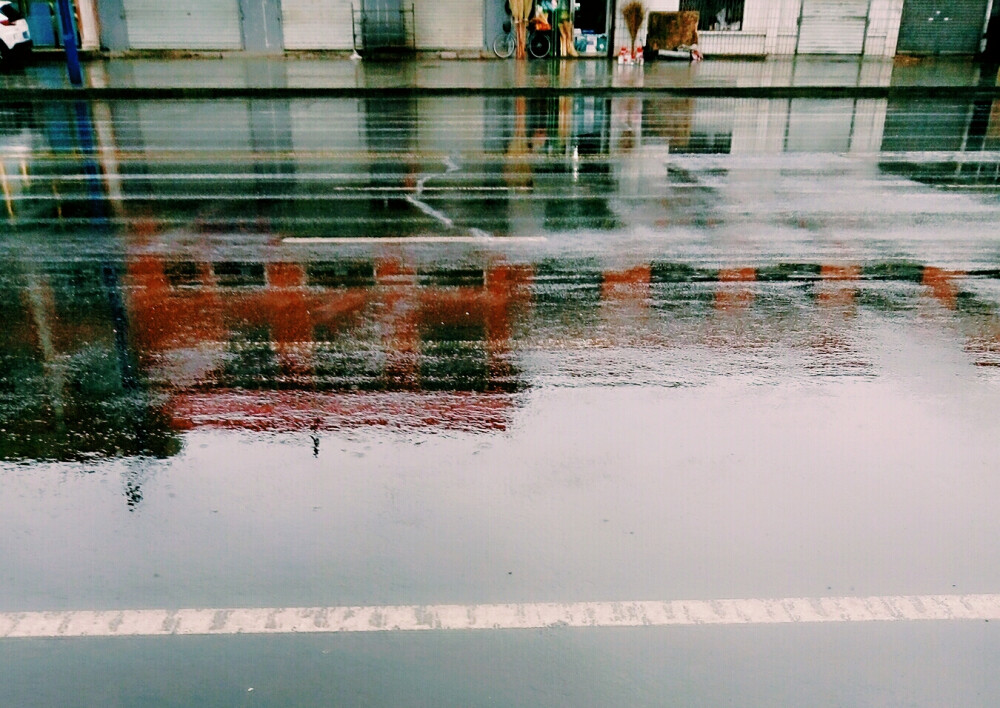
(286, 345)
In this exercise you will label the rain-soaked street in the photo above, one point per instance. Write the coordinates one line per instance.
(489, 350)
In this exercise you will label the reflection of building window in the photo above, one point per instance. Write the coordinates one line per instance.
(234, 274)
(182, 273)
(717, 15)
(341, 274)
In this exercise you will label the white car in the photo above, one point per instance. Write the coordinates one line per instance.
(15, 37)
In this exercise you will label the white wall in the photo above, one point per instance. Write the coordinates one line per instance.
(883, 27)
(89, 31)
(869, 125)
(785, 30)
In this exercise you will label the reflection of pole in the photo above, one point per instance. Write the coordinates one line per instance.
(88, 150)
(7, 196)
(53, 371)
(110, 272)
(107, 154)
(111, 277)
(69, 42)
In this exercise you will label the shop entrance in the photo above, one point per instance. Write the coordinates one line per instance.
(591, 27)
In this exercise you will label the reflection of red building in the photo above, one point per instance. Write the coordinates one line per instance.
(441, 342)
(255, 345)
(737, 295)
(300, 410)
(942, 285)
(982, 334)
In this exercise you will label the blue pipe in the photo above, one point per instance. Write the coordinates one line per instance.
(69, 42)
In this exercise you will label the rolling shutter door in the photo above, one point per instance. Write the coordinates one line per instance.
(941, 27)
(833, 26)
(183, 24)
(317, 24)
(448, 24)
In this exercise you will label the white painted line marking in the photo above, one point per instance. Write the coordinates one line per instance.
(286, 620)
(430, 211)
(377, 240)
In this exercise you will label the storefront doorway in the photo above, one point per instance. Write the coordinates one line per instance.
(592, 27)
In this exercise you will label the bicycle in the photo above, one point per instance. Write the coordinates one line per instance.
(504, 43)
(539, 44)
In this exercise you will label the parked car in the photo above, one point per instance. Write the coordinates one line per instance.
(15, 37)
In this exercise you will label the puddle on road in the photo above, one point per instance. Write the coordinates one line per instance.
(717, 369)
(355, 431)
(121, 359)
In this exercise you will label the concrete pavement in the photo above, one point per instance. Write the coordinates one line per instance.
(256, 75)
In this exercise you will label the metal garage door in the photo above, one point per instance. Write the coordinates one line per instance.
(833, 26)
(942, 26)
(449, 24)
(183, 24)
(317, 24)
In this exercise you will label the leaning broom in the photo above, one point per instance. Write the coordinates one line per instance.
(634, 14)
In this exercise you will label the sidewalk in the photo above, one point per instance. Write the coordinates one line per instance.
(238, 74)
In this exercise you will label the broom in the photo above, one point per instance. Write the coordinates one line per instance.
(634, 13)
(520, 11)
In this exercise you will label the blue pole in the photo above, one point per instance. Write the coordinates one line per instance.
(69, 43)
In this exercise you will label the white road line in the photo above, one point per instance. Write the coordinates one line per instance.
(430, 211)
(379, 240)
(287, 620)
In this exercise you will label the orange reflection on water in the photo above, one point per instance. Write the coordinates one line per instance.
(730, 295)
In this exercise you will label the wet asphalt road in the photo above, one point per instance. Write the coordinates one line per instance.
(471, 350)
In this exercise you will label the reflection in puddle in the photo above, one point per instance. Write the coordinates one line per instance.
(339, 344)
(147, 290)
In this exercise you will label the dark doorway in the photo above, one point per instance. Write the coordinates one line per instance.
(592, 16)
(992, 51)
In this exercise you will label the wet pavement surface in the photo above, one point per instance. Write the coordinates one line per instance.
(484, 349)
(912, 665)
(308, 72)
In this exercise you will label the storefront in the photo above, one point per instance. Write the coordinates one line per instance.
(725, 27)
(592, 27)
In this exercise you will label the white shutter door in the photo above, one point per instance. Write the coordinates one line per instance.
(183, 24)
(448, 24)
(317, 24)
(833, 26)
